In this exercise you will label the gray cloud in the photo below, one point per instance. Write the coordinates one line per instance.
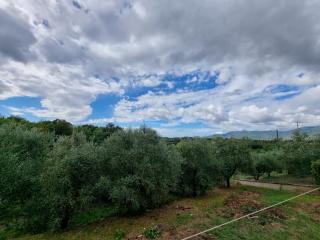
(16, 37)
(153, 36)
(209, 32)
(251, 44)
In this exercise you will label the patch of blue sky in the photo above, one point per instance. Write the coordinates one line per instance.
(32, 118)
(22, 102)
(103, 106)
(151, 124)
(162, 123)
(280, 88)
(4, 111)
(192, 125)
(286, 96)
(283, 91)
(134, 93)
(195, 80)
(171, 83)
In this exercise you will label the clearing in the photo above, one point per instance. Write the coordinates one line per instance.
(299, 219)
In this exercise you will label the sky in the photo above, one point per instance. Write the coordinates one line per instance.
(183, 67)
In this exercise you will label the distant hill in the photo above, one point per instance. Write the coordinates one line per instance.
(267, 135)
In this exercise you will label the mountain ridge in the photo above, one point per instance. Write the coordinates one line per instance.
(269, 134)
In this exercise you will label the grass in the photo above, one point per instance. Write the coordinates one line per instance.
(286, 179)
(281, 178)
(93, 215)
(299, 219)
(184, 218)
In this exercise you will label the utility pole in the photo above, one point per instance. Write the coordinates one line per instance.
(277, 140)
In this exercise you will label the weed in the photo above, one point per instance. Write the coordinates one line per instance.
(151, 233)
(119, 234)
(184, 218)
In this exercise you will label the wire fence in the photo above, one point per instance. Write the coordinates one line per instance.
(250, 214)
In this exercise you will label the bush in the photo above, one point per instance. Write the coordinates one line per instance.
(299, 154)
(198, 169)
(232, 155)
(22, 158)
(264, 163)
(315, 170)
(52, 175)
(69, 179)
(142, 168)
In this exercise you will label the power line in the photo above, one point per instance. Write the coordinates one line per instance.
(250, 214)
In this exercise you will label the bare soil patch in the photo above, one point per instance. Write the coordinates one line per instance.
(246, 202)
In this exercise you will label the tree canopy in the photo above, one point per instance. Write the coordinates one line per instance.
(51, 170)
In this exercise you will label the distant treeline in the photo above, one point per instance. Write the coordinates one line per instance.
(51, 170)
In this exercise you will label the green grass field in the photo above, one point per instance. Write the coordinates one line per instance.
(299, 219)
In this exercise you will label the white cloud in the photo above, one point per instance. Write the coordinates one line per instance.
(250, 45)
(66, 91)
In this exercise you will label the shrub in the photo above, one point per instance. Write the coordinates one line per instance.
(142, 168)
(198, 168)
(315, 169)
(68, 180)
(151, 233)
(299, 154)
(232, 155)
(264, 163)
(119, 234)
(22, 157)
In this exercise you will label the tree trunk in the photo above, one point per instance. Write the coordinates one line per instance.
(194, 184)
(228, 182)
(269, 175)
(65, 219)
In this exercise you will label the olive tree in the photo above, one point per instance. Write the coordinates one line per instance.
(142, 168)
(22, 157)
(265, 163)
(198, 169)
(315, 170)
(232, 155)
(299, 154)
(68, 180)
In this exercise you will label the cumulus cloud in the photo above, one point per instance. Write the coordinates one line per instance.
(69, 52)
(15, 37)
(66, 91)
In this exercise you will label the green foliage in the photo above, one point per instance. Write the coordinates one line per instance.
(47, 181)
(315, 170)
(151, 233)
(119, 234)
(184, 218)
(265, 163)
(16, 120)
(93, 214)
(54, 175)
(299, 152)
(198, 169)
(232, 155)
(22, 157)
(69, 178)
(142, 167)
(58, 127)
(98, 134)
